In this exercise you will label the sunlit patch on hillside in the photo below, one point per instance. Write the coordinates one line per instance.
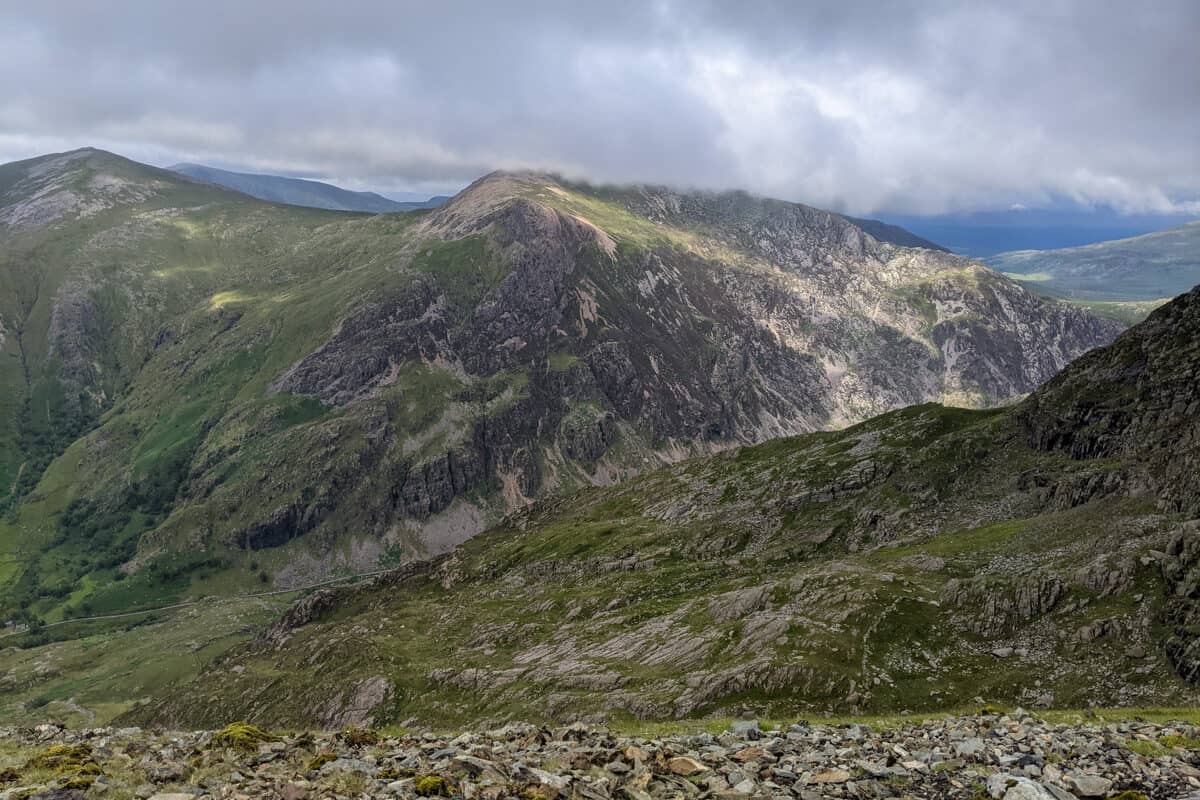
(222, 299)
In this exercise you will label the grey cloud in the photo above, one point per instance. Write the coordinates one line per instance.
(903, 106)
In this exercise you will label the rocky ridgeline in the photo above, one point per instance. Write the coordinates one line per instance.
(1015, 757)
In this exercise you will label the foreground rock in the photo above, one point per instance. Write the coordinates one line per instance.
(1015, 757)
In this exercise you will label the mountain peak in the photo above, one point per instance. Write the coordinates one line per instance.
(81, 183)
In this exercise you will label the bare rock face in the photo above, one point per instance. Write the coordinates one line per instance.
(783, 319)
(1138, 399)
(992, 606)
(1181, 571)
(366, 349)
(357, 706)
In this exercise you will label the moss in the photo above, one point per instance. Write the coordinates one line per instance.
(432, 786)
(242, 736)
(1129, 794)
(9, 776)
(1178, 741)
(72, 762)
(357, 737)
(560, 361)
(64, 759)
(320, 760)
(1147, 749)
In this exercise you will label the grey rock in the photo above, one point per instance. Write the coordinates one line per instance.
(747, 729)
(1088, 785)
(1015, 787)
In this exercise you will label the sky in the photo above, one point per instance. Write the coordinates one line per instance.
(906, 107)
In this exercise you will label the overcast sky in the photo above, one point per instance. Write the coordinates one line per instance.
(888, 106)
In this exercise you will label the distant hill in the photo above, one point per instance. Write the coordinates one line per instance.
(986, 233)
(894, 234)
(299, 192)
(1142, 268)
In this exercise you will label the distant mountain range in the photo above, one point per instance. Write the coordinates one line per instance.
(1143, 268)
(983, 234)
(300, 192)
(894, 234)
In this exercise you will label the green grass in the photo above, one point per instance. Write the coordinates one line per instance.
(560, 361)
(467, 268)
(105, 670)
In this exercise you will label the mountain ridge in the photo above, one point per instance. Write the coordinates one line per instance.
(239, 392)
(301, 191)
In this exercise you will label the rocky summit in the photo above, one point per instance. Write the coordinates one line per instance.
(993, 755)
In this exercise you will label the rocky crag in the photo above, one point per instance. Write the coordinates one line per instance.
(1005, 756)
(204, 391)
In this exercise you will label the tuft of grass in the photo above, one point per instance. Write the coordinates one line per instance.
(320, 760)
(242, 736)
(432, 786)
(1145, 748)
(1179, 741)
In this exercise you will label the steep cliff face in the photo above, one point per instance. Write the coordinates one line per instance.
(1137, 400)
(332, 390)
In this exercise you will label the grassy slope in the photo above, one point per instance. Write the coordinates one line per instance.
(603, 602)
(234, 290)
(104, 668)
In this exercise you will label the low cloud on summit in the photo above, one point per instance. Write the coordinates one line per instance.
(920, 107)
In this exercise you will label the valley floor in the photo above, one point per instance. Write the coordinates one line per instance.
(991, 754)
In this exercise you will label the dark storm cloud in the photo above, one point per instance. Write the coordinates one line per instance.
(905, 106)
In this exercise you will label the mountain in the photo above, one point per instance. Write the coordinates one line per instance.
(983, 234)
(894, 234)
(1046, 554)
(299, 192)
(204, 392)
(1144, 268)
